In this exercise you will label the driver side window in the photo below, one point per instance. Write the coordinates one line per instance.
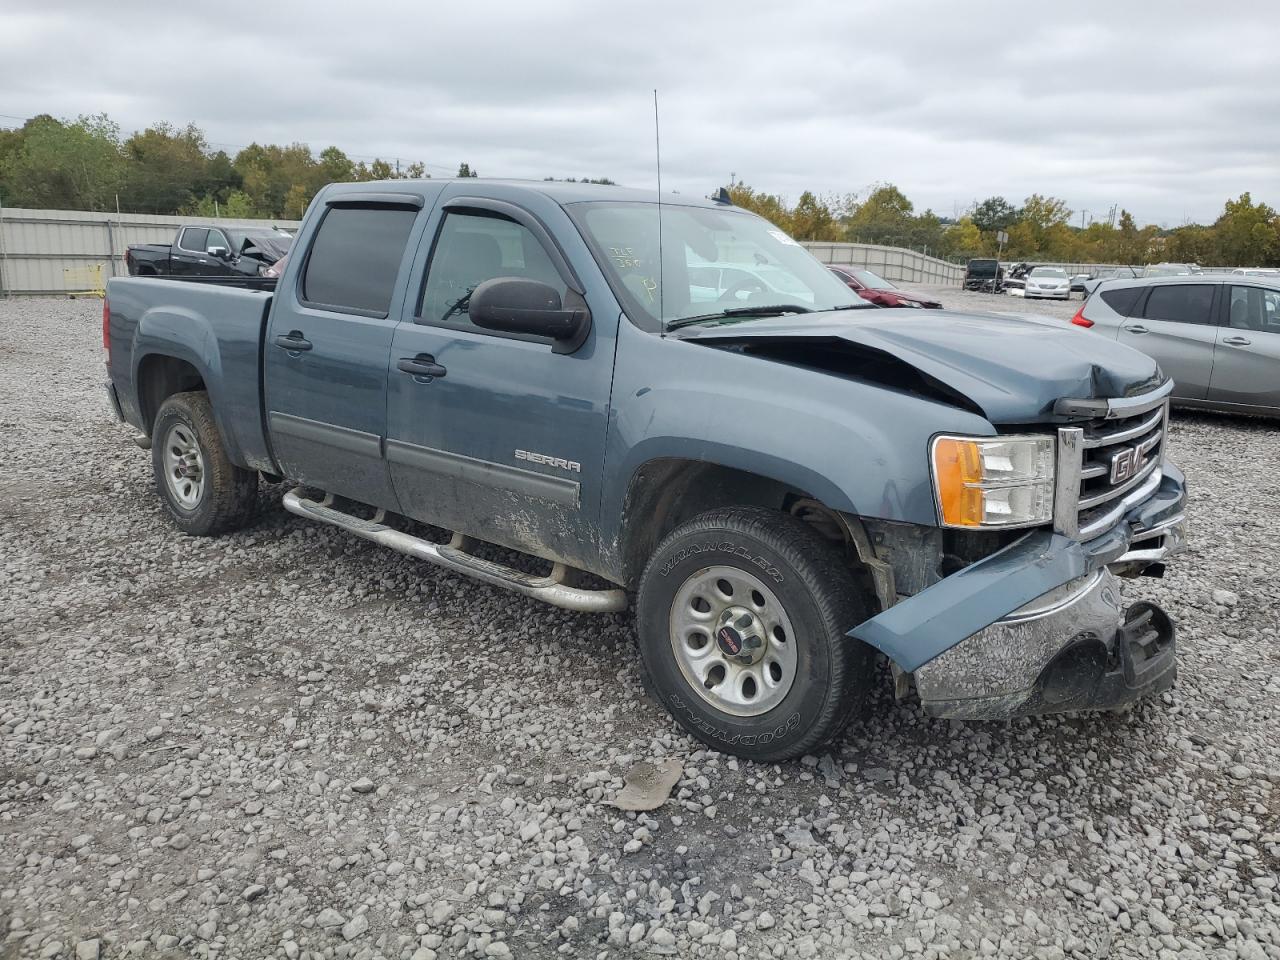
(472, 248)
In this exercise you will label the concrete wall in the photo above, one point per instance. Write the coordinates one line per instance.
(37, 246)
(892, 263)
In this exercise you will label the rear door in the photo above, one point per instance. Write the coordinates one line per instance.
(1176, 327)
(1246, 367)
(325, 356)
(506, 442)
(188, 256)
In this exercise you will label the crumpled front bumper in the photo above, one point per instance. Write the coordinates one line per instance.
(1038, 626)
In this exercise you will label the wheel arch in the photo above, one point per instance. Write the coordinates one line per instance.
(160, 376)
(665, 492)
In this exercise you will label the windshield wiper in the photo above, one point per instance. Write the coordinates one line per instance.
(771, 310)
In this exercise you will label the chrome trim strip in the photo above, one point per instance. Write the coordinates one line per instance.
(1066, 482)
(1088, 503)
(459, 467)
(1096, 470)
(1120, 436)
(1117, 512)
(329, 434)
(1115, 408)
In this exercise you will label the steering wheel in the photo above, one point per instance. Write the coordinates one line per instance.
(752, 284)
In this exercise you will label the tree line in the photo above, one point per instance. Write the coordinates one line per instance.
(1041, 229)
(87, 164)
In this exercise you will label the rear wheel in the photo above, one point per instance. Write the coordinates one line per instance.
(205, 493)
(742, 615)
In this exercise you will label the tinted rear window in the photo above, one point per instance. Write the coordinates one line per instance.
(1122, 301)
(1181, 303)
(355, 257)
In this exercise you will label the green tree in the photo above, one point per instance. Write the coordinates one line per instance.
(813, 220)
(1247, 234)
(994, 213)
(772, 208)
(964, 239)
(76, 165)
(464, 170)
(886, 216)
(166, 168)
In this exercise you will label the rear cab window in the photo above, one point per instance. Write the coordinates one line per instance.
(1181, 303)
(355, 258)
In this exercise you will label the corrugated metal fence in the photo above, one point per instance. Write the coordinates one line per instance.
(37, 247)
(892, 263)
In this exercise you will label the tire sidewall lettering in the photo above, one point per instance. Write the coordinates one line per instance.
(778, 732)
(727, 547)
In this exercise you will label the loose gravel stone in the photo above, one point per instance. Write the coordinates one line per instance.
(186, 727)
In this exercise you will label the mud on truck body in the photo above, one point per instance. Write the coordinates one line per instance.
(780, 479)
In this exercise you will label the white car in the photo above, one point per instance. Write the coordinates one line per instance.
(1048, 283)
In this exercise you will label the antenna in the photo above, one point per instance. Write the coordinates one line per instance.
(657, 157)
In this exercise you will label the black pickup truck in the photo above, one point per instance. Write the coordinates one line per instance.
(210, 251)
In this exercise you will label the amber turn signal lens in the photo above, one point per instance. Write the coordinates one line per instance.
(957, 467)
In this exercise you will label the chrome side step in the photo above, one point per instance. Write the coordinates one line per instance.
(452, 556)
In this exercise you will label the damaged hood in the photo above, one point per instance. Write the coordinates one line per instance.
(1013, 369)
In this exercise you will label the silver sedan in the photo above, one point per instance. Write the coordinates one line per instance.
(1217, 336)
(1048, 283)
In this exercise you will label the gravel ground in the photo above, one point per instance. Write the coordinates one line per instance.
(288, 742)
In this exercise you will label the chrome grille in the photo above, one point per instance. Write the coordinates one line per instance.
(1109, 463)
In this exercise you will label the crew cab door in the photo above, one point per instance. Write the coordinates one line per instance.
(1246, 367)
(495, 435)
(189, 254)
(1176, 327)
(326, 349)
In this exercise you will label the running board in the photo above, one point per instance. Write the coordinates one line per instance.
(550, 589)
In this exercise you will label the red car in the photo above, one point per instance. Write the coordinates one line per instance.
(879, 290)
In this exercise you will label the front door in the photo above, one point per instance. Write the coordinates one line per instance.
(492, 435)
(325, 356)
(1176, 328)
(1246, 367)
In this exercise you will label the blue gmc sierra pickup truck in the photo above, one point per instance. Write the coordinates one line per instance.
(674, 406)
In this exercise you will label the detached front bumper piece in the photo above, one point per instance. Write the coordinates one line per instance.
(1038, 626)
(1074, 648)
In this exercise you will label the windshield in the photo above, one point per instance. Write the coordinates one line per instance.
(1053, 272)
(713, 261)
(869, 279)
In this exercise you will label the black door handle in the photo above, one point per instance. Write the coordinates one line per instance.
(423, 365)
(293, 340)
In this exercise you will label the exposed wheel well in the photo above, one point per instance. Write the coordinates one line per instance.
(666, 493)
(159, 378)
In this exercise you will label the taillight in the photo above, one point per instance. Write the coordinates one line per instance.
(1080, 320)
(106, 328)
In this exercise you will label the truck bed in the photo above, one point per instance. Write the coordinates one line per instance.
(216, 327)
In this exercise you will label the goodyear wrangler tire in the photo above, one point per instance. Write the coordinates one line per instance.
(205, 493)
(741, 616)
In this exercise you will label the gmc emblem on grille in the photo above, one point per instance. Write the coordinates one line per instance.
(1125, 464)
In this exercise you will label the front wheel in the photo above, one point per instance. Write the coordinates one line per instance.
(742, 615)
(205, 493)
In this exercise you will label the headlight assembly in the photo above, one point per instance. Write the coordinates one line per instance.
(993, 481)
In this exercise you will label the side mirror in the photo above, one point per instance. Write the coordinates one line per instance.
(531, 307)
(220, 252)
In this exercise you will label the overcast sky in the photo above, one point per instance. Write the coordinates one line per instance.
(1166, 108)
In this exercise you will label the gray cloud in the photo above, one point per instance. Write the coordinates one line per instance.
(1167, 109)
